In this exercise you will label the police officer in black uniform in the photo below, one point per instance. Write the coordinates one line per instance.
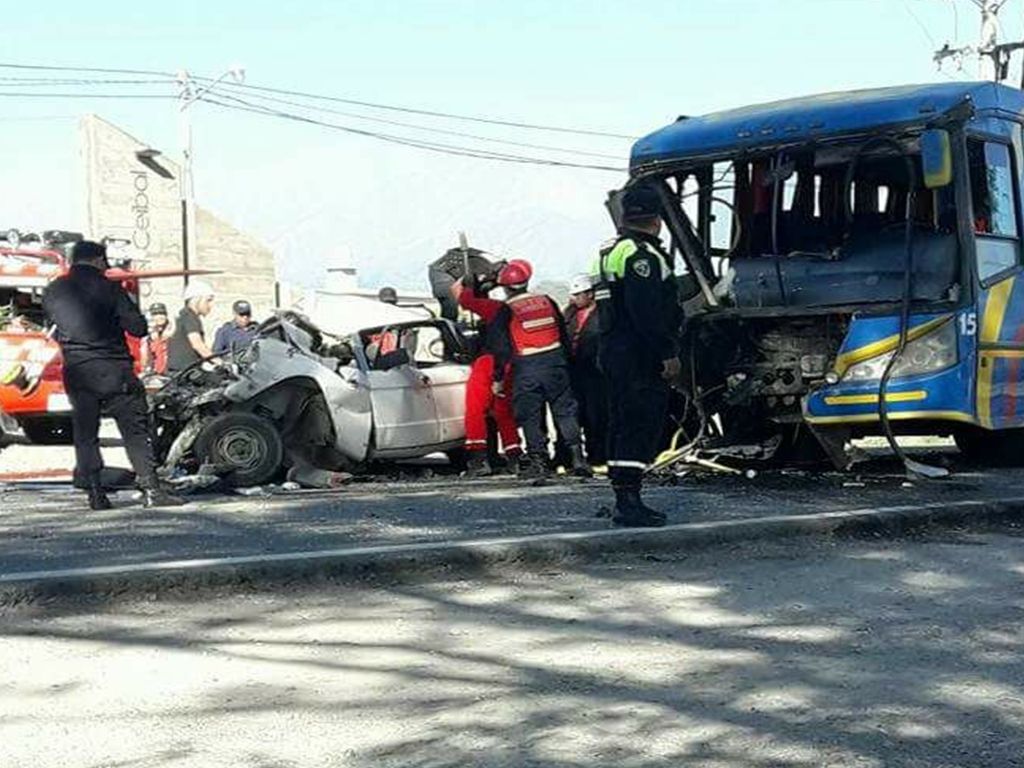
(639, 317)
(92, 315)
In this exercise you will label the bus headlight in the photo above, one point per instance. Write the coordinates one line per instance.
(932, 352)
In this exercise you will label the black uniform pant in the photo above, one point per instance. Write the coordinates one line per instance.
(591, 391)
(539, 381)
(638, 408)
(109, 387)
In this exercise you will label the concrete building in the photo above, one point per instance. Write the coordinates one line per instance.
(132, 194)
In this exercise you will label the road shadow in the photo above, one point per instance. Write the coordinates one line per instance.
(853, 653)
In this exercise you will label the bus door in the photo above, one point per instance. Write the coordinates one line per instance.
(997, 324)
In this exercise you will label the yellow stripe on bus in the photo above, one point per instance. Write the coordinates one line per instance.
(871, 399)
(991, 325)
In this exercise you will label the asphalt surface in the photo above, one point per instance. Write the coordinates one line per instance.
(46, 526)
(860, 653)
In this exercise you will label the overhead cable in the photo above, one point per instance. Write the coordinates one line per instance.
(449, 149)
(328, 98)
(429, 129)
(426, 112)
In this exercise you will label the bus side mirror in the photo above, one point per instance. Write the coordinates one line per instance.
(936, 158)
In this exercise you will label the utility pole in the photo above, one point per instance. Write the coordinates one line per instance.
(186, 190)
(993, 56)
(988, 38)
(190, 92)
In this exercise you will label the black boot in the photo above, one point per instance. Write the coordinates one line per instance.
(477, 465)
(158, 497)
(522, 465)
(580, 467)
(631, 512)
(98, 498)
(534, 467)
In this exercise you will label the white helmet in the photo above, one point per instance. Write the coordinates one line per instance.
(580, 284)
(198, 289)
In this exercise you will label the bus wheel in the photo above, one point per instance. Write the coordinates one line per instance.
(1002, 448)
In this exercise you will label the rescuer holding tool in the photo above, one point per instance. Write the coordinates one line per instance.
(587, 380)
(92, 315)
(530, 334)
(638, 313)
(480, 397)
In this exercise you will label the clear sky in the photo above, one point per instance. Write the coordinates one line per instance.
(620, 66)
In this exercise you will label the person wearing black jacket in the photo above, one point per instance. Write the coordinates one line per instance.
(587, 379)
(92, 315)
(639, 315)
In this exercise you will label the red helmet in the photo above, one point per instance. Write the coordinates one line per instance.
(517, 272)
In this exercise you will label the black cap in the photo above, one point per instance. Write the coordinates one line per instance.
(242, 307)
(158, 309)
(87, 250)
(640, 202)
(388, 295)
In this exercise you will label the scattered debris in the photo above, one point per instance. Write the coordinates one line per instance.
(312, 477)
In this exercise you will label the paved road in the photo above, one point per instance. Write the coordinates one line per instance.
(47, 527)
(861, 653)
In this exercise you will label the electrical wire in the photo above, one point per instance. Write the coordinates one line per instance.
(461, 134)
(30, 82)
(425, 112)
(450, 149)
(324, 97)
(107, 70)
(23, 95)
(259, 93)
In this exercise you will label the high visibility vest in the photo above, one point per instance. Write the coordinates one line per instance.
(608, 271)
(534, 324)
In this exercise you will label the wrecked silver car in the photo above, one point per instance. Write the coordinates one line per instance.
(299, 397)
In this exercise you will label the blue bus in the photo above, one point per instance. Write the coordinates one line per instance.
(852, 264)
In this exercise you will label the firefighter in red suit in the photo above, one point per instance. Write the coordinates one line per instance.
(529, 333)
(480, 397)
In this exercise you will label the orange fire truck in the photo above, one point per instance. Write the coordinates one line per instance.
(31, 366)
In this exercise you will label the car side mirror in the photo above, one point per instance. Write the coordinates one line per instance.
(436, 348)
(393, 359)
(936, 158)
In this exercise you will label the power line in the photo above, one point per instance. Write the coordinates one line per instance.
(414, 126)
(44, 81)
(23, 95)
(448, 149)
(258, 93)
(426, 112)
(109, 71)
(337, 99)
(921, 25)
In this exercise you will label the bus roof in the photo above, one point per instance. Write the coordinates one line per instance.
(826, 115)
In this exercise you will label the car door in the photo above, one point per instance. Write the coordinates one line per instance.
(404, 411)
(435, 355)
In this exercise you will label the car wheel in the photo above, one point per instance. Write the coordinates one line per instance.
(48, 431)
(247, 449)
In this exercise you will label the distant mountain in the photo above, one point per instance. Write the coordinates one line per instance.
(391, 212)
